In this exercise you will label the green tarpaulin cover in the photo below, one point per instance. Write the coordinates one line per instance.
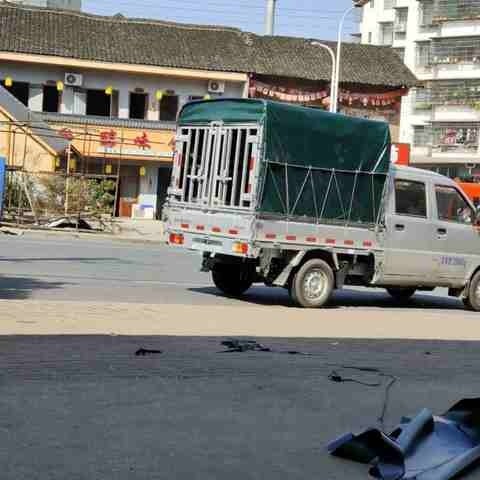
(315, 165)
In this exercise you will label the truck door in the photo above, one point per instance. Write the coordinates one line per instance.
(409, 230)
(456, 241)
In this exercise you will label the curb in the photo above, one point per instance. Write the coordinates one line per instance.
(80, 235)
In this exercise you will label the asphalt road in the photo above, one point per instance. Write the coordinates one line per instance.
(83, 408)
(69, 269)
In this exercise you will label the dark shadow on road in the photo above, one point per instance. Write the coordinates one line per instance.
(65, 259)
(260, 295)
(21, 288)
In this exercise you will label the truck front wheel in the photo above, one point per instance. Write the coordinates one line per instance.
(401, 294)
(233, 280)
(313, 284)
(472, 301)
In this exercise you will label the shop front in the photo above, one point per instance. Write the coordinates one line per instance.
(138, 159)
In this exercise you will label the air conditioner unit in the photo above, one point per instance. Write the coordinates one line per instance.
(73, 79)
(215, 86)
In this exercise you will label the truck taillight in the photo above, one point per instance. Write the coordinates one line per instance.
(176, 239)
(240, 247)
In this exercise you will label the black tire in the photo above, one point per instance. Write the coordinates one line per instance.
(472, 300)
(401, 294)
(313, 284)
(233, 280)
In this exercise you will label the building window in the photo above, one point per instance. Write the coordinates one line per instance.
(138, 105)
(425, 16)
(422, 54)
(388, 4)
(369, 37)
(102, 105)
(423, 99)
(386, 33)
(372, 3)
(401, 20)
(169, 108)
(51, 99)
(400, 52)
(421, 136)
(20, 90)
(457, 10)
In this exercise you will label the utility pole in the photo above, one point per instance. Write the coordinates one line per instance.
(270, 18)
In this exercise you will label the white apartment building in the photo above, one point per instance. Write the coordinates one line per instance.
(439, 40)
(61, 4)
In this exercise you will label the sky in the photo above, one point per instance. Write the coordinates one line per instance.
(304, 18)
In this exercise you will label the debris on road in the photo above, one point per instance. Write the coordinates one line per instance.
(244, 346)
(336, 377)
(425, 447)
(66, 222)
(141, 352)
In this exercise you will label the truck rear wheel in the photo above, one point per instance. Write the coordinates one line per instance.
(472, 301)
(233, 280)
(313, 284)
(401, 294)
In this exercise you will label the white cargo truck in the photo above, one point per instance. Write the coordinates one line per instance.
(306, 200)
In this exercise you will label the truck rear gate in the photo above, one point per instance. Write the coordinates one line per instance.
(214, 166)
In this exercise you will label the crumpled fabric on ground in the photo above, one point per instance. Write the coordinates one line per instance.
(425, 447)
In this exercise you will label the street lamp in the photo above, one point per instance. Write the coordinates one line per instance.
(356, 4)
(332, 81)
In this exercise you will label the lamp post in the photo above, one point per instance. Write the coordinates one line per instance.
(332, 81)
(356, 4)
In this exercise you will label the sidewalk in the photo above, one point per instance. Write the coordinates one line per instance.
(128, 230)
(30, 317)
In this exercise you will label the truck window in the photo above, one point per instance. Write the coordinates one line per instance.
(451, 206)
(410, 198)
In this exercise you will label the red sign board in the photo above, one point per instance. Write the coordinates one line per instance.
(401, 153)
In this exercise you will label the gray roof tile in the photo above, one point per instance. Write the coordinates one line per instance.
(149, 42)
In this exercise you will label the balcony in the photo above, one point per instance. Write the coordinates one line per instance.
(456, 92)
(451, 51)
(457, 139)
(447, 140)
(450, 10)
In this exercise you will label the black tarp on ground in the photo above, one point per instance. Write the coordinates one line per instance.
(425, 447)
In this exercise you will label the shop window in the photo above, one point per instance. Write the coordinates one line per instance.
(138, 105)
(20, 90)
(169, 108)
(102, 105)
(51, 99)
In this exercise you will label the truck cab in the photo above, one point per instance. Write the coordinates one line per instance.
(431, 235)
